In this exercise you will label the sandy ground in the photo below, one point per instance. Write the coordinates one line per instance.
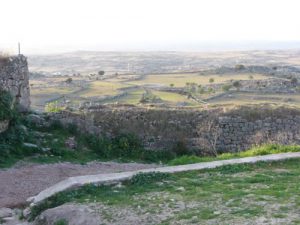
(19, 183)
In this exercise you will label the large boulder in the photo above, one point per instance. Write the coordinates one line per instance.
(73, 214)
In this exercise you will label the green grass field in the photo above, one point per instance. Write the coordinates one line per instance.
(261, 193)
(102, 88)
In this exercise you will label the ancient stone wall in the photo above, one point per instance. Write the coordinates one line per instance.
(14, 77)
(203, 131)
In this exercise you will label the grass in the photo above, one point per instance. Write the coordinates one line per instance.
(102, 88)
(49, 146)
(132, 97)
(179, 80)
(237, 194)
(255, 151)
(173, 97)
(241, 98)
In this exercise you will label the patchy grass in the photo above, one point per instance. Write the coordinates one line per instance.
(102, 88)
(180, 80)
(173, 97)
(237, 194)
(255, 151)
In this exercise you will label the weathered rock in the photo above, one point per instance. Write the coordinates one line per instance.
(6, 212)
(36, 119)
(30, 145)
(71, 213)
(14, 77)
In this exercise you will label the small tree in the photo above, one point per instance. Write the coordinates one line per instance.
(250, 77)
(236, 84)
(239, 67)
(101, 73)
(211, 80)
(226, 87)
(294, 81)
(53, 107)
(171, 85)
(69, 80)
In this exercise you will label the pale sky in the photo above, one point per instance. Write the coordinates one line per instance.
(66, 25)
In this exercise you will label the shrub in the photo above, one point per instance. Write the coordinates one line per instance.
(6, 105)
(236, 84)
(53, 107)
(61, 222)
(148, 178)
(294, 81)
(226, 87)
(239, 67)
(127, 146)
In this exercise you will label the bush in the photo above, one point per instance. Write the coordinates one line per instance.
(294, 81)
(226, 87)
(240, 67)
(148, 178)
(53, 107)
(6, 106)
(236, 84)
(128, 144)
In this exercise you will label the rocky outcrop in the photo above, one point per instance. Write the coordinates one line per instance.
(14, 77)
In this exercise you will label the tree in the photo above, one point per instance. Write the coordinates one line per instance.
(171, 85)
(226, 87)
(250, 77)
(211, 80)
(69, 80)
(236, 84)
(294, 81)
(239, 67)
(101, 73)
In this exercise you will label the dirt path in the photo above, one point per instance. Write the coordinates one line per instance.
(19, 183)
(117, 177)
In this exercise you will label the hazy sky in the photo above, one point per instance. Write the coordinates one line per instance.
(62, 25)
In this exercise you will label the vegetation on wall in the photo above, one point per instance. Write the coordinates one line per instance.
(6, 106)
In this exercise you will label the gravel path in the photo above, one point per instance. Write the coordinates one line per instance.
(19, 183)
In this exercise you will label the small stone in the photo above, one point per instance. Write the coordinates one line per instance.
(30, 145)
(26, 212)
(180, 189)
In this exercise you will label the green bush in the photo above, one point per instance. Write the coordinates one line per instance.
(148, 178)
(53, 107)
(61, 222)
(226, 87)
(6, 107)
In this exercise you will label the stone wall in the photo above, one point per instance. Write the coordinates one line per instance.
(14, 77)
(203, 131)
(237, 133)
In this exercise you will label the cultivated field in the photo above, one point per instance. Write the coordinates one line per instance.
(166, 79)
